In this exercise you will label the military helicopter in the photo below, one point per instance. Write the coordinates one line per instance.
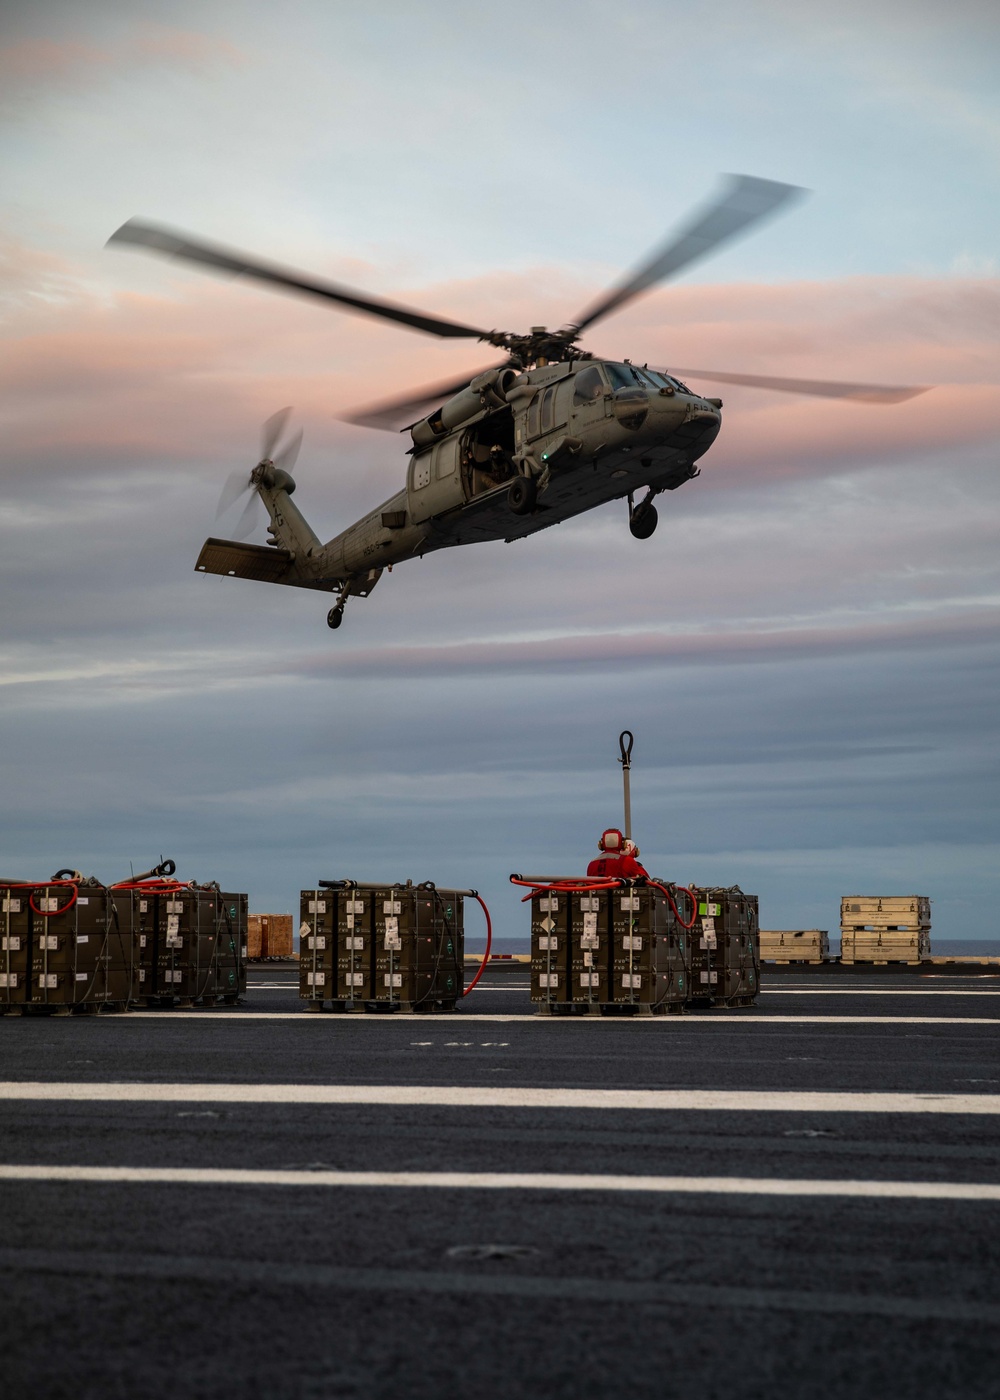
(552, 431)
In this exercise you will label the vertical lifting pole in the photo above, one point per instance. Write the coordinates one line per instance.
(626, 763)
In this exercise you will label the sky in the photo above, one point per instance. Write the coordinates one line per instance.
(806, 650)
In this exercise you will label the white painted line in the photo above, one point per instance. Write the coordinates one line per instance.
(514, 1181)
(500, 1096)
(877, 992)
(722, 1017)
(768, 991)
(765, 992)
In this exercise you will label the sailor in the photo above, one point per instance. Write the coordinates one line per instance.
(620, 857)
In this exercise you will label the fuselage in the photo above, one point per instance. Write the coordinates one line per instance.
(587, 431)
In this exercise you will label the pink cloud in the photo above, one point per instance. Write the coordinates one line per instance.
(47, 61)
(645, 649)
(149, 374)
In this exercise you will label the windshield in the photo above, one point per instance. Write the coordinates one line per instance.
(622, 376)
(659, 378)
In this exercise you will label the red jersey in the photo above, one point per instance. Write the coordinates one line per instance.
(624, 867)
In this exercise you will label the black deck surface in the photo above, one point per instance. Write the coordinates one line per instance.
(203, 1290)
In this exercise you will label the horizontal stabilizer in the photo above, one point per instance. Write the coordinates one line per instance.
(257, 561)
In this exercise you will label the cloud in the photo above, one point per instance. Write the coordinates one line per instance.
(978, 625)
(59, 63)
(117, 374)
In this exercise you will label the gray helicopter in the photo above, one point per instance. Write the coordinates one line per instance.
(549, 433)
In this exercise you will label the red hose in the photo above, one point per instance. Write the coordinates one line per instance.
(566, 886)
(489, 945)
(600, 883)
(673, 903)
(46, 885)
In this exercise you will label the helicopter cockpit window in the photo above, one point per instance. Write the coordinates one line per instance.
(622, 376)
(589, 386)
(659, 378)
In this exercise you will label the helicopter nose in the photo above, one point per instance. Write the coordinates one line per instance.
(699, 429)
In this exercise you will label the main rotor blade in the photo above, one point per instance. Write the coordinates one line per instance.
(392, 415)
(219, 259)
(745, 201)
(235, 484)
(271, 432)
(823, 388)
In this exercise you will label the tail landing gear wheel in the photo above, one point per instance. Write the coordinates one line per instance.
(522, 494)
(642, 521)
(335, 616)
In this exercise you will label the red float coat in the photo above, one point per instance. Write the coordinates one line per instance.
(623, 867)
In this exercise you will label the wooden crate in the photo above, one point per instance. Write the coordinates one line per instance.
(269, 936)
(863, 909)
(794, 945)
(868, 946)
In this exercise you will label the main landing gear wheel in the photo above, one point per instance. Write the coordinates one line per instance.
(642, 521)
(522, 494)
(335, 616)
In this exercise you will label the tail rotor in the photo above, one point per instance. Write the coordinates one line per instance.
(272, 461)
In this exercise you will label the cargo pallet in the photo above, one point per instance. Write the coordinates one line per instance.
(80, 1008)
(605, 946)
(169, 1003)
(70, 945)
(376, 949)
(382, 1008)
(642, 1009)
(884, 929)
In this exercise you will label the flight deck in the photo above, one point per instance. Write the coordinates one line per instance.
(803, 1194)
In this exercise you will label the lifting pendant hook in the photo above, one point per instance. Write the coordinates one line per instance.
(625, 748)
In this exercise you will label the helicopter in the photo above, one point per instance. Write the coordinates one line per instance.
(552, 431)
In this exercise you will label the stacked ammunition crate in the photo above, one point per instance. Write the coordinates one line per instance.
(367, 947)
(886, 928)
(335, 947)
(64, 946)
(811, 945)
(190, 944)
(725, 948)
(607, 950)
(551, 978)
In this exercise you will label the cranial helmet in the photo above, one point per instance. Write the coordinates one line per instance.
(611, 842)
(630, 848)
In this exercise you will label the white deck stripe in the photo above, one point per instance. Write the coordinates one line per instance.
(513, 1181)
(721, 1017)
(769, 991)
(877, 992)
(474, 1096)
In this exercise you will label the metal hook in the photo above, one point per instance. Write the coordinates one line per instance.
(626, 749)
